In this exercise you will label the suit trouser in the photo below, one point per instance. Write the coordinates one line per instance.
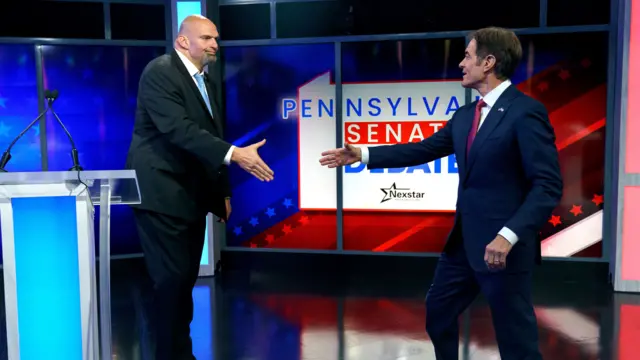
(172, 248)
(456, 285)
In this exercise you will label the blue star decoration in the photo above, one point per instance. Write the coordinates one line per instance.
(270, 212)
(287, 203)
(253, 221)
(4, 129)
(237, 230)
(3, 102)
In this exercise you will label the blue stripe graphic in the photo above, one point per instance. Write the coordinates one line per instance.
(47, 276)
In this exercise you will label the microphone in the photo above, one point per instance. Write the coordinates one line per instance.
(6, 156)
(51, 96)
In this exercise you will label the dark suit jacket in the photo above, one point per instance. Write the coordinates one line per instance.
(177, 148)
(511, 178)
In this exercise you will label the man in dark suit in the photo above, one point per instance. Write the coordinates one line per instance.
(181, 162)
(510, 182)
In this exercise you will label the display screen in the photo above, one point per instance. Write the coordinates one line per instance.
(262, 85)
(98, 86)
(395, 92)
(567, 73)
(19, 107)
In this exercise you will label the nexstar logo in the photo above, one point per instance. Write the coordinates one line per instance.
(395, 193)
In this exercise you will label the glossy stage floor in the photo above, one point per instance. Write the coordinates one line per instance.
(320, 307)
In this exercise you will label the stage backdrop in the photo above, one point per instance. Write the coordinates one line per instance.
(98, 87)
(19, 107)
(417, 83)
(399, 91)
(262, 84)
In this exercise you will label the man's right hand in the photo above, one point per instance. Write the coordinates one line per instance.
(247, 158)
(347, 155)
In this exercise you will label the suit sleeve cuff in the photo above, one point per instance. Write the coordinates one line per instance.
(227, 158)
(509, 235)
(365, 155)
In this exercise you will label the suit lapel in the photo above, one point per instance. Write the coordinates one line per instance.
(211, 91)
(490, 123)
(462, 139)
(190, 81)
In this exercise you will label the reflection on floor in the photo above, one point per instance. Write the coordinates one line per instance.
(242, 316)
(319, 317)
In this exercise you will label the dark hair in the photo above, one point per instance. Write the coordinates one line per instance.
(503, 44)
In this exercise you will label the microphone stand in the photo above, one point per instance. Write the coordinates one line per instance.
(74, 151)
(6, 156)
(50, 96)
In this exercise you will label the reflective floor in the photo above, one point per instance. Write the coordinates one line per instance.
(242, 316)
(321, 316)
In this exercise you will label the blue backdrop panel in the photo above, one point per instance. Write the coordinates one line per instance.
(256, 80)
(18, 107)
(47, 274)
(98, 87)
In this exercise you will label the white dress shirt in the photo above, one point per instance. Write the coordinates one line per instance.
(490, 99)
(193, 71)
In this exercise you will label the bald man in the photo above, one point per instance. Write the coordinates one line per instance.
(181, 158)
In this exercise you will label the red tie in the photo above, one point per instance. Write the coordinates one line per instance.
(474, 125)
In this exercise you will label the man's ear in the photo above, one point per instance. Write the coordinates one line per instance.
(489, 63)
(183, 41)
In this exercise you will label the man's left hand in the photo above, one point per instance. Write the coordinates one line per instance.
(495, 254)
(227, 205)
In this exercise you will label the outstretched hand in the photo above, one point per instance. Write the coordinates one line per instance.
(248, 159)
(347, 155)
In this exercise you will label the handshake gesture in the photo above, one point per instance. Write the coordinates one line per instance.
(347, 155)
(248, 159)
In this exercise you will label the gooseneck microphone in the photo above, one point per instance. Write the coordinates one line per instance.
(6, 156)
(51, 96)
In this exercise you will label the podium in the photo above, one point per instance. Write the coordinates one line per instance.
(48, 250)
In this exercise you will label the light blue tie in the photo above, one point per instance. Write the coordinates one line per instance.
(200, 80)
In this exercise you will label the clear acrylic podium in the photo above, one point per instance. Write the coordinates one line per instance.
(47, 223)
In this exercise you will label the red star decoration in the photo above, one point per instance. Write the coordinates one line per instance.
(585, 63)
(555, 220)
(253, 245)
(597, 199)
(576, 210)
(564, 74)
(304, 220)
(270, 238)
(543, 86)
(286, 229)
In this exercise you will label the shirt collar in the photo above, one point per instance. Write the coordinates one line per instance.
(493, 95)
(191, 69)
